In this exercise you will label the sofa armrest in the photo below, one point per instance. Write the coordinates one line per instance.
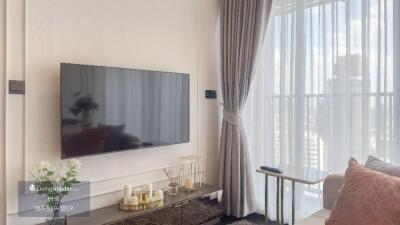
(332, 185)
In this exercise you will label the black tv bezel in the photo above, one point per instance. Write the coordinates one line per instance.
(122, 150)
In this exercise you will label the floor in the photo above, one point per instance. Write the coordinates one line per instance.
(253, 218)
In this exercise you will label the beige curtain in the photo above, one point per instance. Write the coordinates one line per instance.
(243, 25)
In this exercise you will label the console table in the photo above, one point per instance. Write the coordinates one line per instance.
(293, 174)
(112, 214)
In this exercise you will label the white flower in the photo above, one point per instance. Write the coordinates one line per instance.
(43, 165)
(74, 163)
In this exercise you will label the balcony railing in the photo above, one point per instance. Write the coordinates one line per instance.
(350, 110)
(377, 107)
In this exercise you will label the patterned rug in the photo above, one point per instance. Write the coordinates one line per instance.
(242, 222)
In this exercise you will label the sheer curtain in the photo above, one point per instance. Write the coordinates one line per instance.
(325, 90)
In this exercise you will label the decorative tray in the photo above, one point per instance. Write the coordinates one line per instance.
(132, 208)
(190, 190)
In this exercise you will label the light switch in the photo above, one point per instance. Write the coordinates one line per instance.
(211, 94)
(16, 87)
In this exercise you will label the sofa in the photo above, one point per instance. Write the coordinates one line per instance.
(332, 185)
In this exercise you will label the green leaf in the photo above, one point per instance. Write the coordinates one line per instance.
(50, 173)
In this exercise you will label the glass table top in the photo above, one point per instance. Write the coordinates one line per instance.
(298, 174)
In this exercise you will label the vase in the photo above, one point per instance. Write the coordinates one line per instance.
(173, 189)
(56, 219)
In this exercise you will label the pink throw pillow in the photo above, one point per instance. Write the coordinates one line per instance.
(367, 198)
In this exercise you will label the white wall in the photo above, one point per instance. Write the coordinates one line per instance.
(168, 35)
(2, 109)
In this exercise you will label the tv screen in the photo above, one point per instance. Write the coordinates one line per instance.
(106, 109)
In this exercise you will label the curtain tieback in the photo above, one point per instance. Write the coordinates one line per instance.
(234, 118)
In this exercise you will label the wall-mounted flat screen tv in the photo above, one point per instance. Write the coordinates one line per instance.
(107, 109)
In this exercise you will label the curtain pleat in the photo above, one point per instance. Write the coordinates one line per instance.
(243, 24)
(396, 101)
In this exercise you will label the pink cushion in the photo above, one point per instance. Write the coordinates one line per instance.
(367, 198)
(374, 163)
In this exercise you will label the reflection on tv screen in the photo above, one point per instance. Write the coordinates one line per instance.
(105, 109)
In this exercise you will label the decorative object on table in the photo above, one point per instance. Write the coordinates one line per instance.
(173, 189)
(136, 191)
(173, 176)
(127, 193)
(159, 194)
(84, 107)
(150, 190)
(139, 206)
(190, 173)
(143, 197)
(138, 199)
(54, 185)
(134, 200)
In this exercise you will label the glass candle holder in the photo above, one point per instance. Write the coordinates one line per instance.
(173, 189)
(142, 197)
